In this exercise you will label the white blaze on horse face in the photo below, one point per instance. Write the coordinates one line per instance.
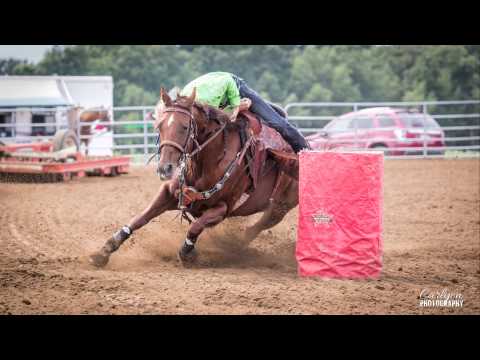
(170, 120)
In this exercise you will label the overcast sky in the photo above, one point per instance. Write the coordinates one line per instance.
(30, 52)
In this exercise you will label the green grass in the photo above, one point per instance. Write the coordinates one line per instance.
(461, 154)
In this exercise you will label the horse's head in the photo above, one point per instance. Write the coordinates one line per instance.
(176, 127)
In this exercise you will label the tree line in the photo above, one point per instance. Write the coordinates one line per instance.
(280, 73)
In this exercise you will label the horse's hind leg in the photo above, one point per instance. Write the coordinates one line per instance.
(276, 211)
(162, 202)
(271, 217)
(209, 218)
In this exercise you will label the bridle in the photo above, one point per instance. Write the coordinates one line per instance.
(192, 135)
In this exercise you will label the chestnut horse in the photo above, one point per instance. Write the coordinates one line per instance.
(203, 164)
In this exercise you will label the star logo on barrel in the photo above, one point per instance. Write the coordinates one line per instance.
(321, 217)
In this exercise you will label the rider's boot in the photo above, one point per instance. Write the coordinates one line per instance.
(300, 144)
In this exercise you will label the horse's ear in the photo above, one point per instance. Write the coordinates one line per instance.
(165, 97)
(189, 101)
(192, 97)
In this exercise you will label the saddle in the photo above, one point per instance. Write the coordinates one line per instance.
(268, 142)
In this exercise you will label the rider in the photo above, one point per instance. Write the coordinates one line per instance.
(225, 90)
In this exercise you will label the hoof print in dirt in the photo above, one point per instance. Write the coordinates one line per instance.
(99, 260)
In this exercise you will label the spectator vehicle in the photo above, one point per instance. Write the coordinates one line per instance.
(393, 130)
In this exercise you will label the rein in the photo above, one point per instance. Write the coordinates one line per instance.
(210, 139)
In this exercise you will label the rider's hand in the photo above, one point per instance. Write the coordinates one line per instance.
(245, 104)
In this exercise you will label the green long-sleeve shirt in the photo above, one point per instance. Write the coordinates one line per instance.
(217, 89)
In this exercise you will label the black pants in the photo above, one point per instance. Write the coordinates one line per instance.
(271, 117)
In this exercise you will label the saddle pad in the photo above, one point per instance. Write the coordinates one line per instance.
(340, 214)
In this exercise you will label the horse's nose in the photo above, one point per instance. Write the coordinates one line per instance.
(166, 171)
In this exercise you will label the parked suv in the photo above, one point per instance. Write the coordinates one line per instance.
(382, 128)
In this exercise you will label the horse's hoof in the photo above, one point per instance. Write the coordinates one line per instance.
(99, 259)
(187, 258)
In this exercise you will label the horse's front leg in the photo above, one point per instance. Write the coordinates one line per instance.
(209, 218)
(163, 201)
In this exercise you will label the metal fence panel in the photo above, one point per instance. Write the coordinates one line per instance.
(134, 135)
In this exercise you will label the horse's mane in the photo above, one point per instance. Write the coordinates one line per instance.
(212, 113)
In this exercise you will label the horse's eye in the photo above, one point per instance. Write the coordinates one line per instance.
(185, 127)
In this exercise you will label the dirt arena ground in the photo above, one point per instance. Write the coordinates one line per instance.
(431, 241)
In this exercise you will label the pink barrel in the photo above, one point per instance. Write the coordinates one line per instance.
(340, 214)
